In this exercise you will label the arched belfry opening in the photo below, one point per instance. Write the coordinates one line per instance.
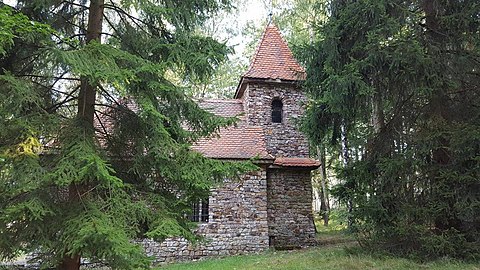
(277, 111)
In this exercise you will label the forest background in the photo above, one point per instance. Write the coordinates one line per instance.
(393, 114)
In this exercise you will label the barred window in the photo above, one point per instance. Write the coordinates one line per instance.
(277, 111)
(200, 211)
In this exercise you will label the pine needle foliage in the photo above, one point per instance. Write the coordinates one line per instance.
(85, 184)
(399, 81)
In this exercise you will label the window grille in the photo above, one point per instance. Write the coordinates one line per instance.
(200, 211)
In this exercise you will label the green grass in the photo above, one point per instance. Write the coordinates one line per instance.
(330, 254)
(317, 258)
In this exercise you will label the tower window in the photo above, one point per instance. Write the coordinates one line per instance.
(277, 111)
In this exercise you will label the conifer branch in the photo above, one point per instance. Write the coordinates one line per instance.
(134, 19)
(100, 122)
(107, 105)
(63, 92)
(74, 4)
(57, 78)
(112, 26)
(60, 104)
(103, 91)
(69, 97)
(49, 54)
(29, 64)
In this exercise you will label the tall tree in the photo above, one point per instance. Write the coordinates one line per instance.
(402, 78)
(94, 138)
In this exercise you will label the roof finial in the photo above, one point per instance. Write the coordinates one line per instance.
(270, 15)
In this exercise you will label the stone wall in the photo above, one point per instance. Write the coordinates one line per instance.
(290, 216)
(282, 139)
(240, 221)
(237, 223)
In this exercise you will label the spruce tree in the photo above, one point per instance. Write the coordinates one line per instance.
(94, 136)
(400, 81)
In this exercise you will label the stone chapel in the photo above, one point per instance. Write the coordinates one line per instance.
(271, 207)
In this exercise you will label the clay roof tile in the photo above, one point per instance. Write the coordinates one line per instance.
(223, 107)
(296, 162)
(234, 143)
(273, 59)
(237, 142)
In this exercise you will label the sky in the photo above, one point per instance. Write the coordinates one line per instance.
(253, 10)
(9, 2)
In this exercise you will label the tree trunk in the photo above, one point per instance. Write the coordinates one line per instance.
(86, 109)
(70, 263)
(378, 118)
(86, 98)
(324, 204)
(440, 112)
(346, 161)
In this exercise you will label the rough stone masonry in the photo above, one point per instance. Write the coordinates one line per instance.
(270, 207)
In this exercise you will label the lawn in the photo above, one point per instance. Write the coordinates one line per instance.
(330, 254)
(332, 257)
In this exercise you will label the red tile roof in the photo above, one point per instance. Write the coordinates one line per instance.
(239, 142)
(235, 143)
(273, 59)
(296, 162)
(223, 107)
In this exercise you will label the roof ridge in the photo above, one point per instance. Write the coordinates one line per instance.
(219, 100)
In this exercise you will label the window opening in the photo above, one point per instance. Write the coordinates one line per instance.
(204, 211)
(200, 211)
(277, 111)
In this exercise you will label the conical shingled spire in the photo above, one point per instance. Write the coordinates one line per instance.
(273, 59)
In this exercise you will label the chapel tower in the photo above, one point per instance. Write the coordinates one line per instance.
(273, 100)
(272, 96)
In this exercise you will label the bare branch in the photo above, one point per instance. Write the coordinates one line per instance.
(74, 4)
(134, 19)
(69, 97)
(50, 77)
(104, 91)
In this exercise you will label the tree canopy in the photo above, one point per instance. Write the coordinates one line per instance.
(94, 136)
(396, 86)
(96, 121)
